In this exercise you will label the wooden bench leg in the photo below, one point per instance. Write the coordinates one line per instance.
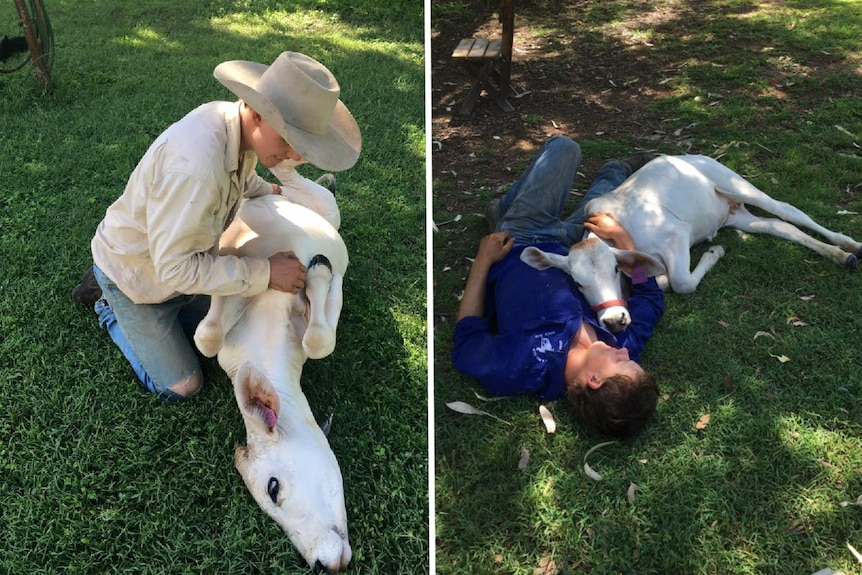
(484, 72)
(499, 93)
(505, 87)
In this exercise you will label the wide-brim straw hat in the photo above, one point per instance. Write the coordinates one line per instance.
(299, 97)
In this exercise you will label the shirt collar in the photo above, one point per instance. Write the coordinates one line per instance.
(234, 139)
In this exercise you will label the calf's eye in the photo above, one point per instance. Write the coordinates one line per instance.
(272, 489)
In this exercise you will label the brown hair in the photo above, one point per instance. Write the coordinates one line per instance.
(619, 408)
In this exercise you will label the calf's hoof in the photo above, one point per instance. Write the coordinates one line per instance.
(851, 262)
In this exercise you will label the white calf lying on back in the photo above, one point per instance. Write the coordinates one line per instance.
(262, 343)
(667, 206)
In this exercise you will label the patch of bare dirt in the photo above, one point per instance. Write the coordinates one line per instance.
(577, 80)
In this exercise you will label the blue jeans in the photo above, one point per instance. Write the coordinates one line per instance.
(154, 338)
(532, 208)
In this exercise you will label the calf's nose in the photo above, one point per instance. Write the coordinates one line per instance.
(333, 555)
(617, 322)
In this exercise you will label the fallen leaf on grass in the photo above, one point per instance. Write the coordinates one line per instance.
(723, 323)
(703, 421)
(857, 502)
(457, 218)
(781, 358)
(725, 147)
(591, 473)
(807, 297)
(855, 553)
(547, 419)
(798, 527)
(547, 566)
(843, 130)
(525, 458)
(631, 492)
(483, 398)
(764, 334)
(467, 409)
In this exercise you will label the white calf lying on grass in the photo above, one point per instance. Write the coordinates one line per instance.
(667, 206)
(262, 343)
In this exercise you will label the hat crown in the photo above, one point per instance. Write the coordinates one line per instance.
(302, 89)
(299, 97)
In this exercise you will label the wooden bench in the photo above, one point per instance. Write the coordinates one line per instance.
(490, 63)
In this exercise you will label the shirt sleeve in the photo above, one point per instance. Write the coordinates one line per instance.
(256, 186)
(646, 306)
(184, 224)
(486, 356)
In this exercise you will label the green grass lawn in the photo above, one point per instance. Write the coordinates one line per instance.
(96, 476)
(776, 87)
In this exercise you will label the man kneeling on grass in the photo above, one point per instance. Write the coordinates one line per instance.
(521, 330)
(155, 253)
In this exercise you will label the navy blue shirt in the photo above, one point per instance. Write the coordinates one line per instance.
(521, 343)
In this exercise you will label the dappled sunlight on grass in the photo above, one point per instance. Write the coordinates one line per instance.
(809, 440)
(81, 441)
(311, 25)
(411, 326)
(36, 169)
(259, 25)
(144, 37)
(757, 489)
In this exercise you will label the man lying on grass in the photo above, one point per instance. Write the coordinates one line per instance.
(521, 330)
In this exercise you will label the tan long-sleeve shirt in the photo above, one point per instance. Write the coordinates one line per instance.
(160, 237)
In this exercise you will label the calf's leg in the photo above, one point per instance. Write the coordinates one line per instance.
(221, 317)
(677, 259)
(732, 186)
(319, 338)
(744, 220)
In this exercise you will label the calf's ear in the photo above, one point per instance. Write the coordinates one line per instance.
(536, 258)
(629, 260)
(257, 400)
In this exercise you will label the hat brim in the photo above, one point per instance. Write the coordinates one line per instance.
(336, 149)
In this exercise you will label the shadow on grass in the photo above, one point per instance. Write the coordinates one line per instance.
(757, 490)
(562, 48)
(97, 473)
